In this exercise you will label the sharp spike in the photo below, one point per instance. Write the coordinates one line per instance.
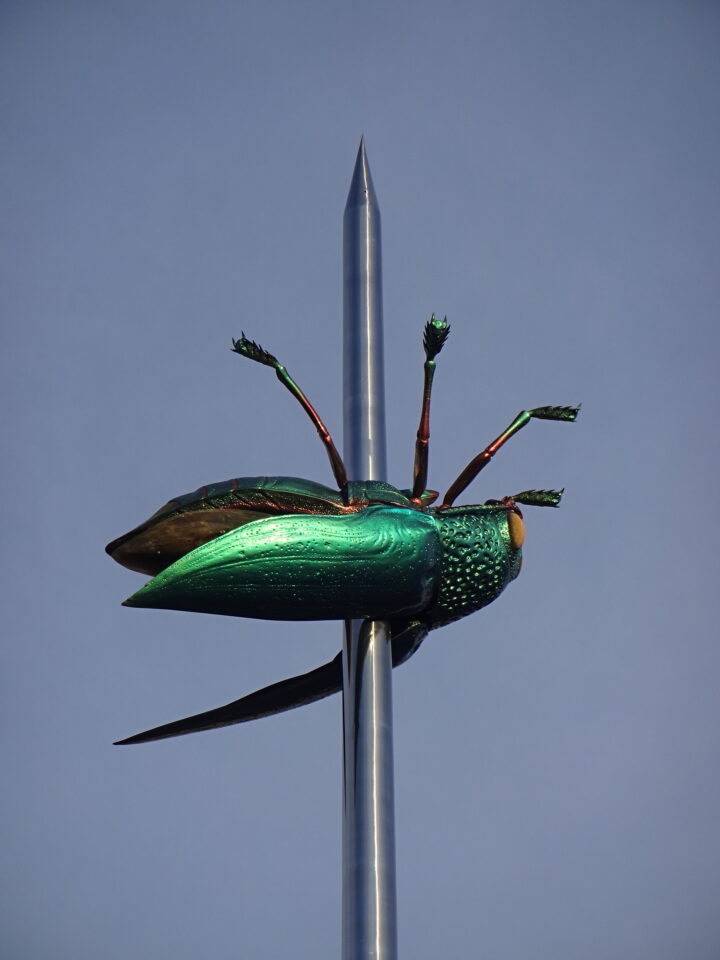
(362, 191)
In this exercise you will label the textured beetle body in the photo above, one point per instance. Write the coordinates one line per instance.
(284, 548)
(379, 562)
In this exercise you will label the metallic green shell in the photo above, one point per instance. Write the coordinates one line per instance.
(478, 561)
(382, 562)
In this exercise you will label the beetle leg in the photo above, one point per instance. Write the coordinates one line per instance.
(251, 350)
(483, 458)
(434, 337)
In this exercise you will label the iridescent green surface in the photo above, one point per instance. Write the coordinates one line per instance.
(379, 562)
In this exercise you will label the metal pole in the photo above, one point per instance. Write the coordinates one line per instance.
(369, 926)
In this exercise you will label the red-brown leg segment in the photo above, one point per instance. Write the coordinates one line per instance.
(483, 458)
(251, 350)
(435, 335)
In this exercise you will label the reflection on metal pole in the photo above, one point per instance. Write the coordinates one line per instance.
(369, 927)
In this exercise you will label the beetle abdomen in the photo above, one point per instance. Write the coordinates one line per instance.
(478, 561)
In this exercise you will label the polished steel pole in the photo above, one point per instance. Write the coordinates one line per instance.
(369, 926)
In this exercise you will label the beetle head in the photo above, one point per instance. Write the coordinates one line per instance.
(513, 529)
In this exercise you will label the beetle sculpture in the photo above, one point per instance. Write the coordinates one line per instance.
(283, 548)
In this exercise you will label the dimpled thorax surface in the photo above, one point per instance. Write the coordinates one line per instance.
(477, 563)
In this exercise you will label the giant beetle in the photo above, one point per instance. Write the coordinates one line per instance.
(283, 548)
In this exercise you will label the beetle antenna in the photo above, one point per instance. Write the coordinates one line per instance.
(253, 351)
(567, 414)
(435, 334)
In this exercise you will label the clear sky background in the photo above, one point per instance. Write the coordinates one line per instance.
(175, 172)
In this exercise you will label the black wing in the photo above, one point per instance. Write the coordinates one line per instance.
(284, 695)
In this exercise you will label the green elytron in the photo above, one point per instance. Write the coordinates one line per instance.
(283, 548)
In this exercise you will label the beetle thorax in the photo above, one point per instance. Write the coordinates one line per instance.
(478, 561)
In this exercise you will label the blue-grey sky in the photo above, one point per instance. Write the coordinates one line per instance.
(175, 172)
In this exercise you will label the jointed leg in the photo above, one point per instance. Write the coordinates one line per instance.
(482, 459)
(251, 350)
(436, 333)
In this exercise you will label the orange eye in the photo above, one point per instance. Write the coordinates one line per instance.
(516, 529)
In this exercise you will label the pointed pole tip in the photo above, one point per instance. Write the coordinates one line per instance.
(362, 190)
(361, 157)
